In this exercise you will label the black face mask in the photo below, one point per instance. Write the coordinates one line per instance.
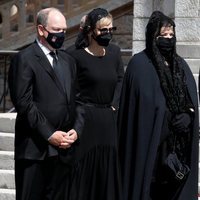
(55, 39)
(165, 45)
(103, 40)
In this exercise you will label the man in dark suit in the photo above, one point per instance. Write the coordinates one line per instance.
(45, 106)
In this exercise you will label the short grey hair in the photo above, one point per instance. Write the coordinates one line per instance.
(42, 15)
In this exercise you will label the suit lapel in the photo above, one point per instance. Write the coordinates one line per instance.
(67, 75)
(44, 62)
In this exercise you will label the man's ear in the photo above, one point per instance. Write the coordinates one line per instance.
(40, 30)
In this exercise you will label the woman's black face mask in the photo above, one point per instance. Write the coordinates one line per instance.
(103, 40)
(165, 45)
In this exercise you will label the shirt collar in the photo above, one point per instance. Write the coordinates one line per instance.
(44, 49)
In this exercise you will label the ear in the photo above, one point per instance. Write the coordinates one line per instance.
(86, 29)
(40, 30)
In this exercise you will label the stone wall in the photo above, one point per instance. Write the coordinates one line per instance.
(187, 18)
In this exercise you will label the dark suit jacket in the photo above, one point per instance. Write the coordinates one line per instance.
(42, 105)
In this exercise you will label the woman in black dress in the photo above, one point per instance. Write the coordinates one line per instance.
(158, 120)
(95, 171)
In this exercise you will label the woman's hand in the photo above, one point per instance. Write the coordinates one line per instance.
(181, 122)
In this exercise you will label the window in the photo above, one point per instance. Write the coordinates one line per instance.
(30, 12)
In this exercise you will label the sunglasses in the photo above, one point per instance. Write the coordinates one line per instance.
(107, 30)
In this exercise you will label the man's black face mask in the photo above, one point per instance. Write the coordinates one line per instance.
(55, 39)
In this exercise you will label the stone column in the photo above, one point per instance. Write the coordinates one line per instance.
(187, 19)
(142, 9)
(165, 6)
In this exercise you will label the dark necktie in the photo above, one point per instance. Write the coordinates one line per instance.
(55, 61)
(58, 69)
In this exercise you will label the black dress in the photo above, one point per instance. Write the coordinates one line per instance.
(95, 172)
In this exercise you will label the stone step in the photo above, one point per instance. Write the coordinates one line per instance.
(7, 194)
(7, 160)
(7, 180)
(7, 122)
(6, 141)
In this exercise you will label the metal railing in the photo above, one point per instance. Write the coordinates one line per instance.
(5, 58)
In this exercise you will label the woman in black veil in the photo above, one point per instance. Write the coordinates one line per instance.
(158, 120)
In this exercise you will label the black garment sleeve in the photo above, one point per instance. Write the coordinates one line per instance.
(80, 119)
(199, 83)
(120, 75)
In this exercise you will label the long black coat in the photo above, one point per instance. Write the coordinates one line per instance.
(141, 117)
(42, 105)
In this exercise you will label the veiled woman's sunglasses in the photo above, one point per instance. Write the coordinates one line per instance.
(107, 30)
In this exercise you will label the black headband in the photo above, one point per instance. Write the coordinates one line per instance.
(95, 15)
